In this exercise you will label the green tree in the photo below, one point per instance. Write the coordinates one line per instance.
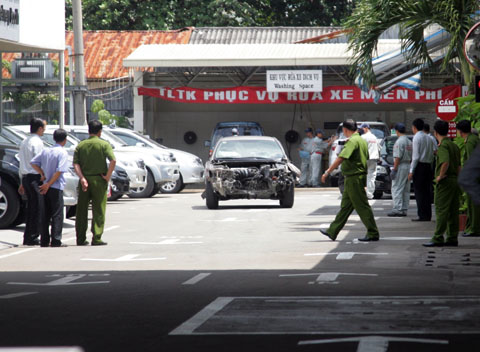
(105, 117)
(371, 18)
(175, 14)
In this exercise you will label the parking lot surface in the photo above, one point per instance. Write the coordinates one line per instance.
(176, 276)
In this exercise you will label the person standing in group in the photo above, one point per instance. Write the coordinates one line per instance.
(31, 181)
(305, 152)
(402, 157)
(318, 150)
(51, 164)
(373, 156)
(421, 170)
(472, 228)
(353, 158)
(469, 178)
(89, 161)
(447, 191)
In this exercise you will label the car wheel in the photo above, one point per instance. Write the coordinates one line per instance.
(377, 194)
(288, 197)
(211, 197)
(9, 205)
(145, 192)
(172, 187)
(115, 196)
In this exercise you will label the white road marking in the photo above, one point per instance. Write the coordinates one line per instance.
(15, 295)
(125, 258)
(228, 220)
(325, 278)
(198, 319)
(343, 255)
(373, 343)
(17, 252)
(196, 279)
(63, 281)
(405, 238)
(166, 242)
(291, 324)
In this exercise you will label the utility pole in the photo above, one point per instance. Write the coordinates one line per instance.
(80, 81)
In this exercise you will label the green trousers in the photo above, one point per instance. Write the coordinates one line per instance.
(97, 194)
(354, 198)
(447, 202)
(473, 220)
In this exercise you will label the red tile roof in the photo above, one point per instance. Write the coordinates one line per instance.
(105, 50)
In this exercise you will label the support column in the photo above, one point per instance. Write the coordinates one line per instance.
(138, 112)
(61, 99)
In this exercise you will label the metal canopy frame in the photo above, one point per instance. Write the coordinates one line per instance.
(30, 83)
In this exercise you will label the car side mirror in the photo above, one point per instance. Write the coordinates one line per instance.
(207, 144)
(140, 144)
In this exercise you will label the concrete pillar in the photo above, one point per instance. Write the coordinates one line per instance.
(138, 111)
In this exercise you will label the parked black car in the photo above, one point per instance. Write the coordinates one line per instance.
(12, 205)
(120, 183)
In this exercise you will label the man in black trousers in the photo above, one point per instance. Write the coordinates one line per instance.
(31, 181)
(421, 170)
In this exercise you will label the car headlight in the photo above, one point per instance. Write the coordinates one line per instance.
(126, 163)
(163, 157)
(381, 170)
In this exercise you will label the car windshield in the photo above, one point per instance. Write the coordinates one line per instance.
(240, 149)
(71, 140)
(148, 140)
(242, 131)
(114, 140)
(5, 140)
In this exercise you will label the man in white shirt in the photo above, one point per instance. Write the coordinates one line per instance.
(421, 170)
(373, 156)
(31, 181)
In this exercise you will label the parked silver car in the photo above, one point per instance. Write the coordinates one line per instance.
(70, 195)
(161, 165)
(133, 165)
(191, 166)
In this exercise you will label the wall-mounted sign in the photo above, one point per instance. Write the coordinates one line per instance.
(447, 109)
(330, 95)
(294, 81)
(10, 20)
(452, 130)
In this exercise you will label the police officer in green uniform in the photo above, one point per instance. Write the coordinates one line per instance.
(90, 163)
(447, 191)
(472, 228)
(353, 159)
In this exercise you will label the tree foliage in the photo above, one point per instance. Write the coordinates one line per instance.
(372, 17)
(176, 14)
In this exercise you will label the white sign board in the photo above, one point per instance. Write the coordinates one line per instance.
(294, 81)
(9, 20)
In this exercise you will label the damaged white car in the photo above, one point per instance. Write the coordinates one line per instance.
(249, 167)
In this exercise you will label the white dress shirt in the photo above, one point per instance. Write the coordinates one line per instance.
(30, 147)
(423, 148)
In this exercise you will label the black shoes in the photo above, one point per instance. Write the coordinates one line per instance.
(395, 214)
(58, 244)
(433, 244)
(419, 219)
(35, 242)
(325, 233)
(84, 243)
(368, 239)
(450, 244)
(471, 235)
(99, 243)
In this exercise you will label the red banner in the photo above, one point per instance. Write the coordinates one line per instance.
(332, 95)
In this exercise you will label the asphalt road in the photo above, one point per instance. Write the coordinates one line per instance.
(249, 276)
